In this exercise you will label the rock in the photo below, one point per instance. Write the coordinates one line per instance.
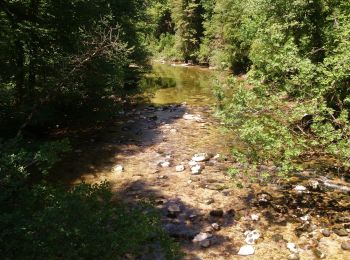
(314, 185)
(293, 257)
(187, 116)
(252, 236)
(205, 243)
(305, 218)
(197, 169)
(165, 164)
(326, 232)
(264, 199)
(201, 237)
(209, 201)
(292, 247)
(246, 250)
(215, 226)
(180, 168)
(216, 213)
(345, 245)
(118, 168)
(200, 157)
(300, 188)
(340, 232)
(254, 217)
(192, 217)
(277, 237)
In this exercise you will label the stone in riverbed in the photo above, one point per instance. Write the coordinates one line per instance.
(300, 188)
(326, 232)
(252, 236)
(180, 168)
(200, 157)
(346, 245)
(202, 239)
(197, 169)
(118, 168)
(209, 201)
(215, 226)
(340, 232)
(292, 247)
(246, 250)
(173, 210)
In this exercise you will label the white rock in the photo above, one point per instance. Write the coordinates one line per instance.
(165, 164)
(192, 163)
(180, 168)
(246, 250)
(300, 188)
(118, 168)
(215, 226)
(305, 218)
(201, 236)
(217, 156)
(292, 247)
(255, 217)
(252, 236)
(187, 116)
(200, 157)
(197, 169)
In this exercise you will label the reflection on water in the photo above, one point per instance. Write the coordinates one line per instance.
(177, 84)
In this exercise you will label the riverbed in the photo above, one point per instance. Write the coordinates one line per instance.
(142, 150)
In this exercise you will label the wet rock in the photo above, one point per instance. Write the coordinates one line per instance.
(246, 250)
(292, 247)
(252, 236)
(326, 232)
(180, 168)
(209, 201)
(345, 245)
(197, 169)
(340, 232)
(293, 257)
(118, 168)
(200, 157)
(216, 213)
(277, 238)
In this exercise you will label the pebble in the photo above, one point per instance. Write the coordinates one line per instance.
(165, 164)
(246, 250)
(118, 168)
(216, 213)
(200, 157)
(202, 239)
(252, 236)
(305, 218)
(215, 226)
(341, 232)
(319, 254)
(180, 168)
(292, 247)
(346, 245)
(197, 169)
(255, 217)
(192, 163)
(326, 232)
(300, 188)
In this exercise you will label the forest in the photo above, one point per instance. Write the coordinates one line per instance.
(69, 65)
